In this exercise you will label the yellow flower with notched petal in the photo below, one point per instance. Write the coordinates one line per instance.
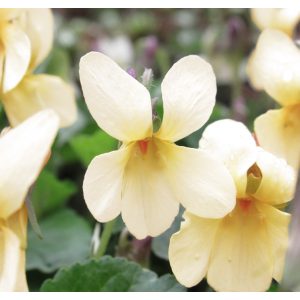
(284, 19)
(35, 92)
(23, 151)
(274, 66)
(244, 250)
(149, 175)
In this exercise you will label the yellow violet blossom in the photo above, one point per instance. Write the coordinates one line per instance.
(23, 151)
(15, 48)
(274, 66)
(149, 176)
(244, 250)
(284, 19)
(33, 92)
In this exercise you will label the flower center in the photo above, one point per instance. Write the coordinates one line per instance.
(143, 145)
(150, 151)
(245, 204)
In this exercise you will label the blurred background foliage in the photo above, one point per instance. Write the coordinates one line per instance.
(138, 39)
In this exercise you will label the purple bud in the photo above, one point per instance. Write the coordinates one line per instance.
(131, 72)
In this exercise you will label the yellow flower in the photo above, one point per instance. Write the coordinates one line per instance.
(26, 37)
(15, 48)
(27, 93)
(149, 175)
(274, 66)
(246, 249)
(22, 154)
(37, 92)
(284, 19)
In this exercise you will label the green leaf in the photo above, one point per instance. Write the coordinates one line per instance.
(110, 275)
(87, 147)
(274, 287)
(50, 193)
(66, 239)
(160, 244)
(142, 23)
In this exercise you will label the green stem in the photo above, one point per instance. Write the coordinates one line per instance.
(105, 237)
(236, 77)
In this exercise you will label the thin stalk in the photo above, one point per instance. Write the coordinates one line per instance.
(105, 237)
(237, 85)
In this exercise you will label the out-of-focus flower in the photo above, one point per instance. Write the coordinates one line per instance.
(37, 92)
(246, 249)
(149, 175)
(38, 25)
(118, 48)
(15, 49)
(26, 37)
(23, 151)
(284, 19)
(27, 93)
(149, 47)
(274, 66)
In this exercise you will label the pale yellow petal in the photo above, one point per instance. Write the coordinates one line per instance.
(9, 259)
(23, 152)
(284, 19)
(188, 92)
(16, 46)
(21, 284)
(242, 257)
(102, 185)
(201, 183)
(190, 249)
(119, 104)
(149, 204)
(275, 65)
(18, 224)
(278, 179)
(277, 225)
(38, 92)
(278, 132)
(231, 143)
(39, 28)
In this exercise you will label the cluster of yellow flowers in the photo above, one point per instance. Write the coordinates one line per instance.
(274, 67)
(233, 231)
(37, 104)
